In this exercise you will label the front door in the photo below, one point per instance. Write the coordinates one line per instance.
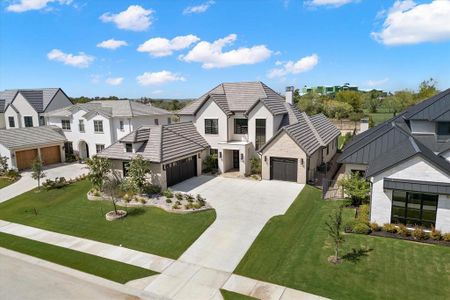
(236, 159)
(87, 150)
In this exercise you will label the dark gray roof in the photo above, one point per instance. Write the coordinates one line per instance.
(417, 186)
(309, 135)
(436, 108)
(240, 97)
(160, 143)
(39, 99)
(19, 138)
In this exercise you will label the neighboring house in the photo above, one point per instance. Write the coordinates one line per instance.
(25, 107)
(93, 126)
(407, 160)
(23, 145)
(175, 152)
(238, 119)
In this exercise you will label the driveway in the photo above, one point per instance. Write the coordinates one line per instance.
(26, 183)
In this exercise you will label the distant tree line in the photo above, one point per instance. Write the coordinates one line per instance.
(167, 104)
(353, 105)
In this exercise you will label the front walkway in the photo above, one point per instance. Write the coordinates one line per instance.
(26, 183)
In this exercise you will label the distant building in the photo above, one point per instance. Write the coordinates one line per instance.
(326, 90)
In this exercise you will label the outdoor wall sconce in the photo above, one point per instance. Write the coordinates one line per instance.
(242, 156)
(220, 155)
(164, 167)
(265, 158)
(302, 162)
(198, 156)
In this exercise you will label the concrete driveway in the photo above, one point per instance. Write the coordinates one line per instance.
(243, 208)
(26, 183)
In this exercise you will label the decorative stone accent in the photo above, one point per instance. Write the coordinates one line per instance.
(111, 216)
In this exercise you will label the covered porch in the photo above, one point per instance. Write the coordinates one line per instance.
(234, 156)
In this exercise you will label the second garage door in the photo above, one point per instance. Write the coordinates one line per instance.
(25, 158)
(51, 155)
(283, 169)
(181, 170)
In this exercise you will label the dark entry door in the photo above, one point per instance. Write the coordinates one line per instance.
(283, 169)
(236, 159)
(181, 170)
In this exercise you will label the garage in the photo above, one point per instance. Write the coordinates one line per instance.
(25, 158)
(181, 170)
(51, 155)
(283, 169)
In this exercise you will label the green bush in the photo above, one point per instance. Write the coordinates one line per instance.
(435, 234)
(151, 189)
(363, 213)
(168, 201)
(175, 206)
(179, 196)
(361, 228)
(58, 183)
(446, 237)
(348, 227)
(419, 234)
(189, 198)
(402, 230)
(168, 194)
(374, 227)
(12, 174)
(255, 166)
(387, 227)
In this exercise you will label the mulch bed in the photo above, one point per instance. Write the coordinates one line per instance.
(408, 238)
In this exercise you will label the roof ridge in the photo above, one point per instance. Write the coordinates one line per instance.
(431, 100)
(313, 128)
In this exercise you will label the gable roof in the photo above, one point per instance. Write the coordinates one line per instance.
(160, 143)
(310, 133)
(239, 97)
(110, 108)
(19, 138)
(39, 99)
(436, 108)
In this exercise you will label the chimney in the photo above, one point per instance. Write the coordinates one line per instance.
(289, 95)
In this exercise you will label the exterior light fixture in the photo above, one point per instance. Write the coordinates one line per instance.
(164, 167)
(302, 162)
(220, 155)
(242, 156)
(198, 155)
(265, 158)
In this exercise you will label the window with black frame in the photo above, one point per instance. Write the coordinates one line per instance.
(411, 208)
(240, 126)
(211, 126)
(260, 133)
(443, 130)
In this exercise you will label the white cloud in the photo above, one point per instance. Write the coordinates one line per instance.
(163, 47)
(198, 9)
(211, 55)
(304, 64)
(157, 78)
(114, 80)
(377, 83)
(112, 44)
(81, 60)
(409, 23)
(135, 18)
(333, 3)
(26, 5)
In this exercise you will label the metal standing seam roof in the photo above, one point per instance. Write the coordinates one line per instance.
(160, 143)
(19, 138)
(435, 108)
(417, 186)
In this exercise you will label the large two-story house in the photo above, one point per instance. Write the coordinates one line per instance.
(91, 127)
(407, 160)
(21, 108)
(237, 122)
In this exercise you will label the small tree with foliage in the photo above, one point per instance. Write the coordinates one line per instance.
(210, 162)
(112, 187)
(3, 165)
(99, 168)
(37, 173)
(334, 227)
(137, 171)
(356, 187)
(256, 165)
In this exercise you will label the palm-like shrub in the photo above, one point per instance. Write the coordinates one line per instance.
(99, 169)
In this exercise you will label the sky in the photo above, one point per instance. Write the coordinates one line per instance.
(181, 49)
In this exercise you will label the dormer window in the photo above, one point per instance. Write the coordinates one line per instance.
(129, 148)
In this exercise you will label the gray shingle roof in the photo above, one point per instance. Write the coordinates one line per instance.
(20, 138)
(240, 97)
(160, 143)
(39, 99)
(2, 105)
(326, 129)
(110, 108)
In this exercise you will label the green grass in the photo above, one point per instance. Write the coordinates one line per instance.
(98, 266)
(68, 211)
(228, 295)
(4, 182)
(380, 117)
(292, 250)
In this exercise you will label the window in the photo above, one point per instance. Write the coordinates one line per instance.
(128, 147)
(240, 126)
(65, 124)
(28, 121)
(41, 121)
(443, 128)
(125, 167)
(121, 125)
(12, 122)
(156, 122)
(211, 126)
(260, 133)
(98, 126)
(81, 125)
(99, 148)
(414, 208)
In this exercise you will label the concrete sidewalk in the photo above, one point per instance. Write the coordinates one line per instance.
(26, 183)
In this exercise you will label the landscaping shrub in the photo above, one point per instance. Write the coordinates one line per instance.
(348, 227)
(58, 183)
(402, 230)
(152, 189)
(198, 205)
(363, 213)
(168, 194)
(168, 201)
(3, 165)
(435, 234)
(210, 163)
(179, 196)
(178, 202)
(446, 237)
(176, 206)
(374, 227)
(419, 234)
(361, 228)
(389, 228)
(189, 198)
(255, 166)
(200, 199)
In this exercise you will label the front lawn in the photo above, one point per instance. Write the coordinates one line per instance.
(68, 211)
(292, 250)
(95, 265)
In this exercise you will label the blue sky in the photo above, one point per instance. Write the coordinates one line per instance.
(373, 44)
